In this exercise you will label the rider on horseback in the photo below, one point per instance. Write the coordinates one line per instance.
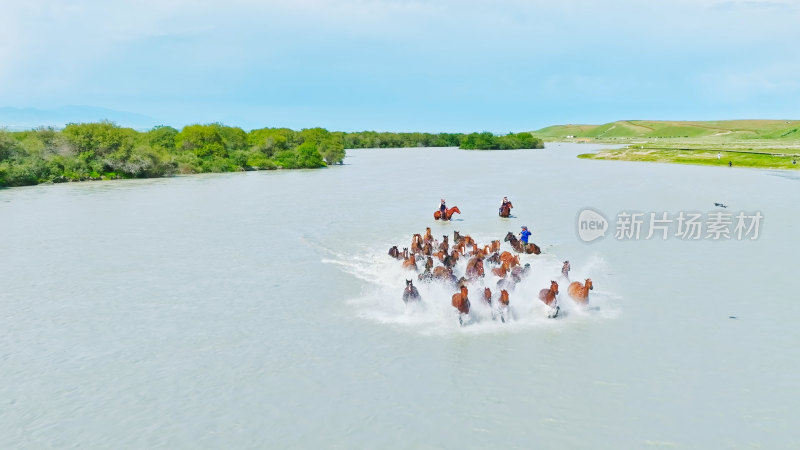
(443, 209)
(523, 236)
(504, 204)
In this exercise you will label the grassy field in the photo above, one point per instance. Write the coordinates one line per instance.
(772, 144)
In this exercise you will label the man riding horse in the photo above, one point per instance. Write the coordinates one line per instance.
(523, 236)
(505, 204)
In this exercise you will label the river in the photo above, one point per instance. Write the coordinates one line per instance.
(261, 310)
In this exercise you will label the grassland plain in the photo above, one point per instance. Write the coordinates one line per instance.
(768, 144)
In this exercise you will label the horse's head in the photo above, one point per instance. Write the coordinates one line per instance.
(487, 293)
(509, 237)
(554, 287)
(445, 238)
(408, 284)
(503, 295)
(456, 235)
(455, 209)
(464, 291)
(589, 284)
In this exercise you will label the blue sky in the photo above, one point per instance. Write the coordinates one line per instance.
(395, 65)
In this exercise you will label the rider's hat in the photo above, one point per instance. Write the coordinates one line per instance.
(524, 227)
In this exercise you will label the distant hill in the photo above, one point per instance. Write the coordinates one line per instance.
(724, 130)
(17, 119)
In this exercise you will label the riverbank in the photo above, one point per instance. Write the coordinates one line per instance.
(722, 158)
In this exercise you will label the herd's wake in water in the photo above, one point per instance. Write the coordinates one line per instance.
(382, 298)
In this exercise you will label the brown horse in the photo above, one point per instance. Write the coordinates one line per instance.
(429, 263)
(580, 292)
(457, 238)
(548, 296)
(410, 294)
(502, 270)
(410, 262)
(506, 257)
(442, 273)
(428, 238)
(517, 245)
(474, 267)
(448, 214)
(427, 249)
(503, 297)
(416, 243)
(503, 307)
(505, 210)
(495, 246)
(445, 245)
(394, 252)
(461, 303)
(487, 296)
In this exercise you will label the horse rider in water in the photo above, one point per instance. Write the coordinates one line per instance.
(443, 209)
(505, 202)
(523, 237)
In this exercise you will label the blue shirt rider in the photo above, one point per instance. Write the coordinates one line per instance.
(523, 236)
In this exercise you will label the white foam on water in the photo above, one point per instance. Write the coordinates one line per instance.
(381, 298)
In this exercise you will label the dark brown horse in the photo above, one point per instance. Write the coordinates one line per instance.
(410, 294)
(445, 245)
(457, 237)
(517, 245)
(448, 214)
(580, 292)
(394, 252)
(505, 210)
(429, 263)
(461, 303)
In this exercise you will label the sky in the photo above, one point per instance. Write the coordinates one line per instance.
(398, 65)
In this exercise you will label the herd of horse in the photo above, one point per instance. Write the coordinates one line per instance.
(435, 260)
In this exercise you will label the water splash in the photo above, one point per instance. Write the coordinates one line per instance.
(381, 297)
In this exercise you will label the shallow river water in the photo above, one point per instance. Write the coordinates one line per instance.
(261, 310)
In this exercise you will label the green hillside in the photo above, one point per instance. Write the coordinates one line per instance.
(711, 131)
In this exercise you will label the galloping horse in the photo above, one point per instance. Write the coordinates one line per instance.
(475, 267)
(410, 294)
(394, 252)
(503, 307)
(457, 237)
(502, 270)
(580, 293)
(416, 244)
(448, 214)
(429, 263)
(428, 238)
(487, 296)
(505, 210)
(495, 246)
(548, 296)
(517, 245)
(445, 245)
(461, 303)
(410, 262)
(506, 257)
